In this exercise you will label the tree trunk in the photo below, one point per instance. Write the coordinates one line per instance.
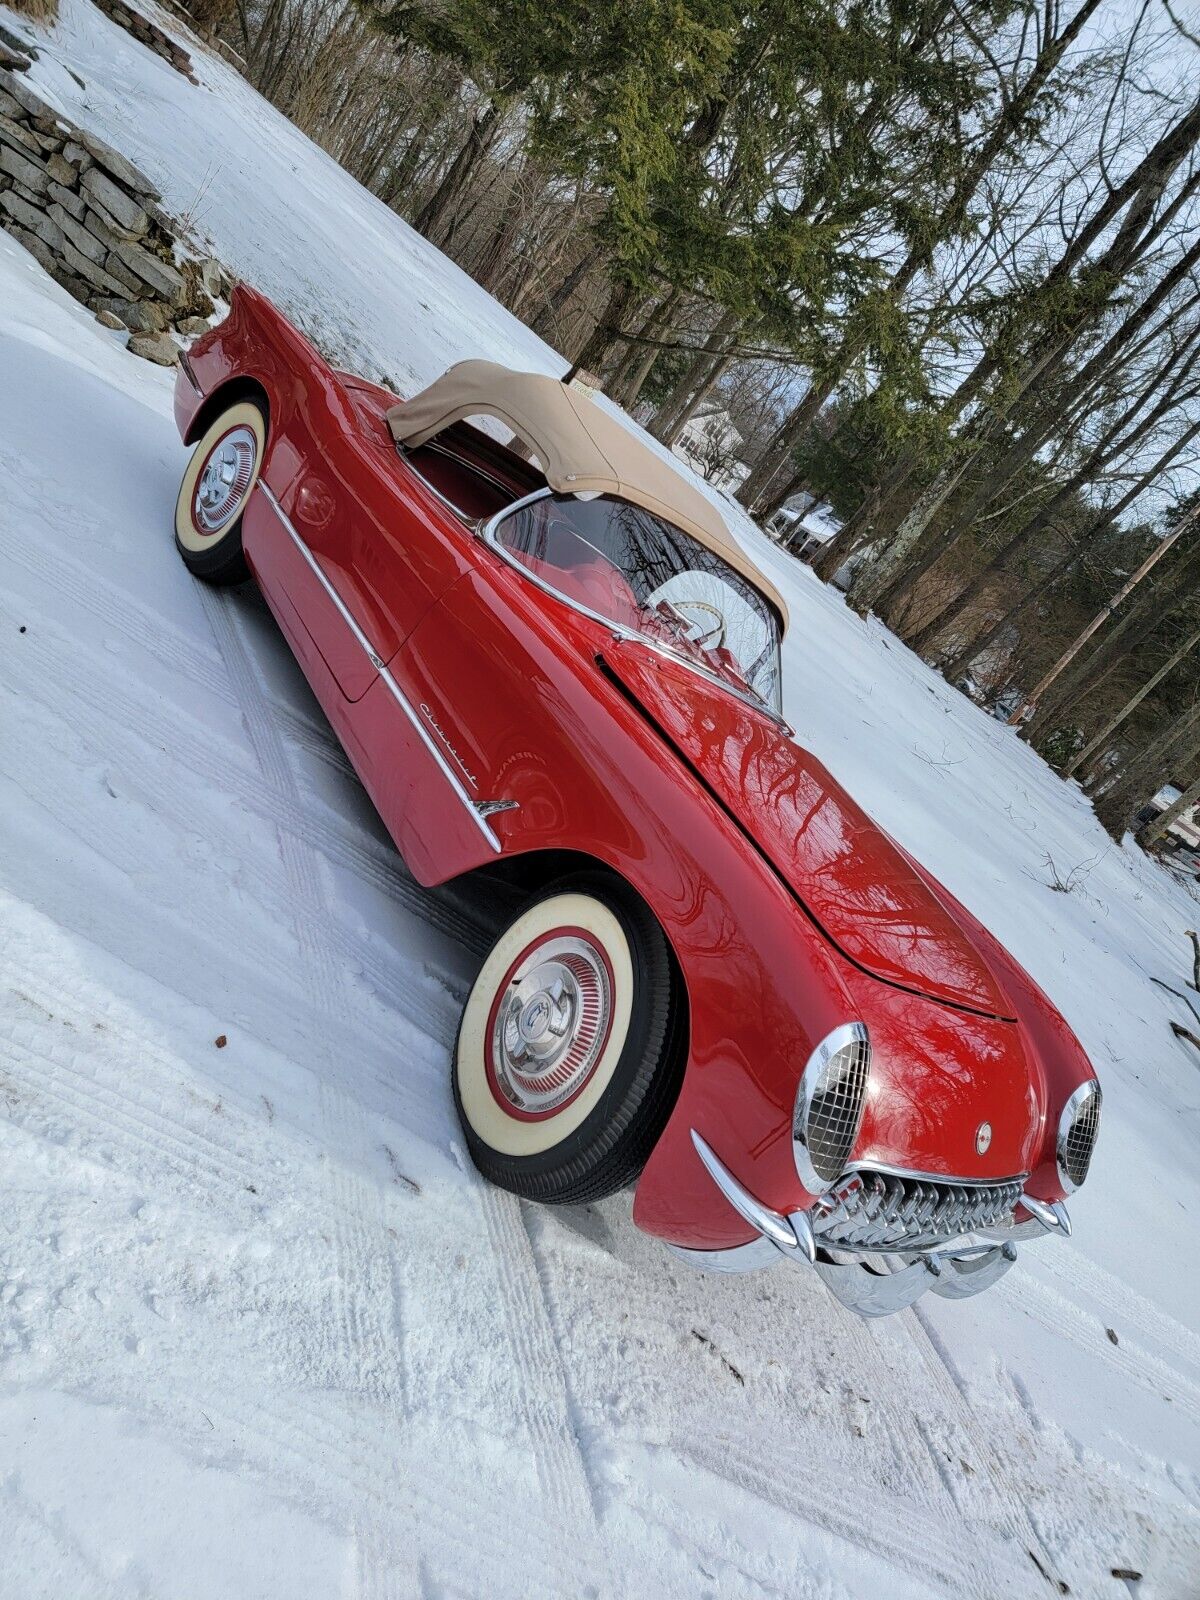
(607, 331)
(1156, 602)
(757, 491)
(1099, 457)
(1102, 617)
(1131, 705)
(696, 381)
(887, 578)
(964, 656)
(640, 357)
(479, 141)
(1142, 187)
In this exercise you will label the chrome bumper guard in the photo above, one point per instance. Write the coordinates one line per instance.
(870, 1284)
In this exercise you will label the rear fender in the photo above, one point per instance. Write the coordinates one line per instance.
(254, 353)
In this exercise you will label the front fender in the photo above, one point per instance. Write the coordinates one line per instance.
(589, 775)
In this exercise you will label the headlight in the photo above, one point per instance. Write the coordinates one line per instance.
(829, 1106)
(1077, 1130)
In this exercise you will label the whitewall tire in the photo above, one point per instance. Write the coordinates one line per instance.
(216, 486)
(568, 1054)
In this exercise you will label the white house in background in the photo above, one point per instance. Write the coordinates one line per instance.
(803, 524)
(1186, 827)
(711, 445)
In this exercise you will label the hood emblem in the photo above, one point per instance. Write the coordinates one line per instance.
(983, 1137)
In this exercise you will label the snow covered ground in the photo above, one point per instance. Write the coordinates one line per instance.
(262, 1330)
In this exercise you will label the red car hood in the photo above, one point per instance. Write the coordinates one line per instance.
(853, 881)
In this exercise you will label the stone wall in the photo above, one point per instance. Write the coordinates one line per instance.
(95, 224)
(149, 34)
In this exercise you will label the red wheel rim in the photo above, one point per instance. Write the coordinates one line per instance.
(223, 480)
(549, 1024)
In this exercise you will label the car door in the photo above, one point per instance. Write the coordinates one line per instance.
(375, 553)
(507, 701)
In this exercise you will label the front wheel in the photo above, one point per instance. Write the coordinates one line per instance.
(212, 497)
(565, 1063)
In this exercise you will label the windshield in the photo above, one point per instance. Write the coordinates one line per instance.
(632, 568)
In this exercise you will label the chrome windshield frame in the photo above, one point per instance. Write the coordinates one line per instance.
(488, 531)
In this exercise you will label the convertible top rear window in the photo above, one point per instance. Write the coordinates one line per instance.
(627, 566)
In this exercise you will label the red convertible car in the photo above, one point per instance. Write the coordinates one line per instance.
(549, 660)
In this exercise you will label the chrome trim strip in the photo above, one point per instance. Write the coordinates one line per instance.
(467, 522)
(186, 367)
(487, 532)
(931, 1177)
(390, 683)
(441, 450)
(769, 1223)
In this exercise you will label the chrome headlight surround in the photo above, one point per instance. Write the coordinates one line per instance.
(1073, 1162)
(841, 1063)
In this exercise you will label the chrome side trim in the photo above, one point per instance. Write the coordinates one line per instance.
(186, 367)
(386, 677)
(487, 532)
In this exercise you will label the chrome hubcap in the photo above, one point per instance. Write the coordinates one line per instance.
(224, 479)
(551, 1024)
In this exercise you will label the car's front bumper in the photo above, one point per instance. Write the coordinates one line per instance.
(869, 1283)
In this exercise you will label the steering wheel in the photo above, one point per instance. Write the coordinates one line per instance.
(704, 638)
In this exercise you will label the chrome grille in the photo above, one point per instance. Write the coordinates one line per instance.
(1079, 1139)
(836, 1106)
(880, 1211)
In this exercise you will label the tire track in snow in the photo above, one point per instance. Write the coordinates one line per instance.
(56, 1072)
(1131, 1361)
(365, 1355)
(890, 1529)
(155, 633)
(1081, 1272)
(1043, 1302)
(57, 1054)
(274, 968)
(483, 1536)
(33, 669)
(1007, 1497)
(541, 1374)
(341, 1451)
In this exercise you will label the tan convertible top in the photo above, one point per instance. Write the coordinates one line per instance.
(581, 449)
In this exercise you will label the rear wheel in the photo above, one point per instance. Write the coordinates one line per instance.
(212, 497)
(564, 1067)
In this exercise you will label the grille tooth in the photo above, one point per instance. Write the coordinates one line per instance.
(891, 1212)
